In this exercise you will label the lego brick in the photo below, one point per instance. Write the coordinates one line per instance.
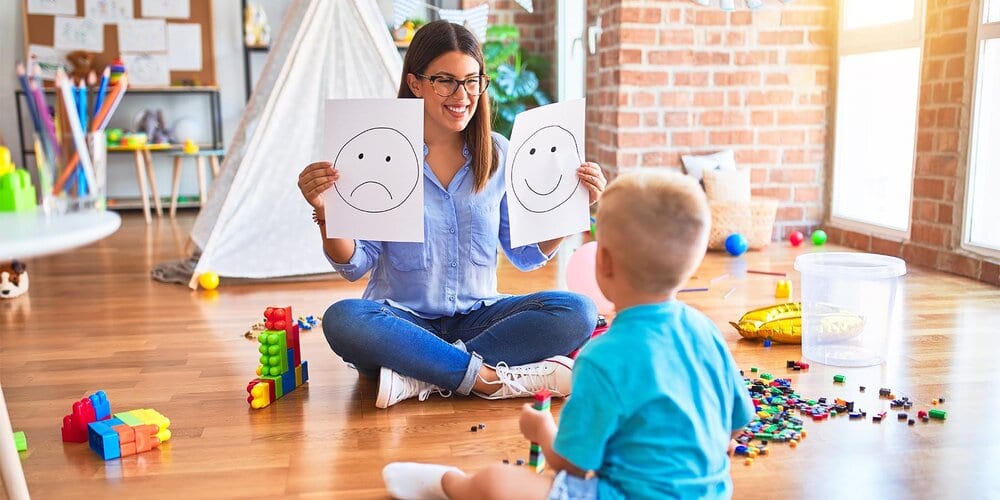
(103, 438)
(291, 359)
(153, 417)
(292, 341)
(288, 382)
(273, 350)
(74, 428)
(102, 407)
(276, 382)
(305, 371)
(260, 394)
(129, 418)
(298, 376)
(20, 441)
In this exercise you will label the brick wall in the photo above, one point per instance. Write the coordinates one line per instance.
(671, 77)
(946, 90)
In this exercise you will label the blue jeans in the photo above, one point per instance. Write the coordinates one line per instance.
(449, 352)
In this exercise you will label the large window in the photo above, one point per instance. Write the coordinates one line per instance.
(982, 204)
(878, 80)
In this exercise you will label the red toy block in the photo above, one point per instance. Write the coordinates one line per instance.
(74, 428)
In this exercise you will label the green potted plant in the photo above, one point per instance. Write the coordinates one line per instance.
(514, 76)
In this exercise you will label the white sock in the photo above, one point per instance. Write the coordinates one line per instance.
(413, 481)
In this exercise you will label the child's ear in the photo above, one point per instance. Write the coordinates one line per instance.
(603, 262)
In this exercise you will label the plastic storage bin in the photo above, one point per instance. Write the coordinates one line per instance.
(847, 306)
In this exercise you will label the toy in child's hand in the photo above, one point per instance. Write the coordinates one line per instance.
(736, 244)
(796, 238)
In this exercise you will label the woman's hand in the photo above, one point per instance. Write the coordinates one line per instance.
(316, 179)
(592, 176)
(537, 426)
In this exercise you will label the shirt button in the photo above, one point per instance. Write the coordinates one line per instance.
(447, 196)
(454, 264)
(451, 298)
(451, 230)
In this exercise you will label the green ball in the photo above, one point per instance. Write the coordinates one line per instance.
(819, 237)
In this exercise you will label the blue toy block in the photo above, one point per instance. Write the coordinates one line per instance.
(102, 407)
(305, 371)
(103, 438)
(288, 382)
(291, 358)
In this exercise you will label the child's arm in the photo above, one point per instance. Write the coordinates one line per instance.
(540, 427)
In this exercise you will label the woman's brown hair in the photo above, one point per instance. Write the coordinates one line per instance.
(432, 40)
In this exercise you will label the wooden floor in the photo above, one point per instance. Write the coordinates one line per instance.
(95, 320)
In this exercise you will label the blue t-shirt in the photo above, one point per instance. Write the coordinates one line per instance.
(655, 401)
(454, 271)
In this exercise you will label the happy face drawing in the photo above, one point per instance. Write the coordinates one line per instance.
(378, 169)
(543, 173)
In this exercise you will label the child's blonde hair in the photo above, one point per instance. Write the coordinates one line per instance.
(655, 223)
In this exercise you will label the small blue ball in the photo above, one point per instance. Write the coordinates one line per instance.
(736, 244)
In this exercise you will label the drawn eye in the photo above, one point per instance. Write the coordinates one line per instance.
(387, 158)
(532, 151)
(361, 156)
(553, 149)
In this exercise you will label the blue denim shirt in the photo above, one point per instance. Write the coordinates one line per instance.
(454, 270)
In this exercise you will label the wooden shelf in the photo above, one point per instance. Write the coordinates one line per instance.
(136, 203)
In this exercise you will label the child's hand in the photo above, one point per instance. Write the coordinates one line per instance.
(732, 447)
(537, 426)
(314, 180)
(593, 177)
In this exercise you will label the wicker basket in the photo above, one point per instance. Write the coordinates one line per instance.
(754, 220)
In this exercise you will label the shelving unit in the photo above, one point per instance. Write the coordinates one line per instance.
(247, 51)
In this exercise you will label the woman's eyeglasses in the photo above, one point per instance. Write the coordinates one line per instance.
(446, 86)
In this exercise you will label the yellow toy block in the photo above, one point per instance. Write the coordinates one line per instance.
(6, 166)
(783, 290)
(153, 417)
(298, 375)
(261, 396)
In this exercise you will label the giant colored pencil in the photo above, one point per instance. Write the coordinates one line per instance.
(23, 79)
(101, 89)
(64, 85)
(43, 110)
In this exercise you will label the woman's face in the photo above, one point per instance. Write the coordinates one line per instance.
(454, 112)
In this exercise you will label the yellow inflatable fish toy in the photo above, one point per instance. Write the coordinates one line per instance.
(783, 323)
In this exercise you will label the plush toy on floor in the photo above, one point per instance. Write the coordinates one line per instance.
(13, 279)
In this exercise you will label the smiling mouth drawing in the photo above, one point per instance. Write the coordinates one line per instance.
(372, 182)
(544, 194)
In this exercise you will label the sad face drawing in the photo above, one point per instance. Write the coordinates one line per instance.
(379, 170)
(543, 173)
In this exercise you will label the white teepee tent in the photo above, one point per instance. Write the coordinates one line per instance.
(256, 224)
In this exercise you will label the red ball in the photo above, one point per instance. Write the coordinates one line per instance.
(796, 238)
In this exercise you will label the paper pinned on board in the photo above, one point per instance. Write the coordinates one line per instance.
(173, 9)
(377, 147)
(52, 7)
(49, 59)
(142, 35)
(545, 197)
(146, 69)
(184, 46)
(108, 11)
(78, 33)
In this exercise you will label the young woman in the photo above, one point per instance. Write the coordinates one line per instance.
(431, 319)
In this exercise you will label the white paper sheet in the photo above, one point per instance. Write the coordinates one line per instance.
(377, 147)
(174, 9)
(184, 46)
(545, 198)
(142, 35)
(109, 11)
(52, 7)
(146, 70)
(49, 59)
(79, 33)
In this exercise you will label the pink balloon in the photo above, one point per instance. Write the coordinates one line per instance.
(581, 277)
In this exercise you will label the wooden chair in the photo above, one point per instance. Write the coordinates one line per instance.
(213, 157)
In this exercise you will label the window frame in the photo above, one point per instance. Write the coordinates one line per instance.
(869, 40)
(985, 31)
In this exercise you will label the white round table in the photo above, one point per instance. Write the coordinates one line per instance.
(32, 234)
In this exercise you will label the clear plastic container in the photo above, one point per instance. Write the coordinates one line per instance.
(847, 306)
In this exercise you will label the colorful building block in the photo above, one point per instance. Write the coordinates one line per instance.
(102, 407)
(20, 442)
(103, 438)
(536, 458)
(74, 427)
(783, 290)
(17, 194)
(288, 382)
(281, 368)
(273, 353)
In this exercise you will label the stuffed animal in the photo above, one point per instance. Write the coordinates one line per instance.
(81, 62)
(13, 280)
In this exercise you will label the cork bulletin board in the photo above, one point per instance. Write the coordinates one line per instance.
(162, 42)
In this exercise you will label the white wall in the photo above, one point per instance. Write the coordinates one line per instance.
(227, 32)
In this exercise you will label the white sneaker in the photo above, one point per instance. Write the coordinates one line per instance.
(554, 374)
(393, 388)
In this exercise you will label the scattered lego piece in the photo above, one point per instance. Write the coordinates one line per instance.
(934, 402)
(753, 369)
(748, 461)
(790, 363)
(20, 441)
(839, 379)
(767, 342)
(473, 429)
(862, 388)
(783, 290)
(506, 461)
(883, 392)
(793, 443)
(482, 426)
(941, 400)
(519, 462)
(902, 416)
(938, 414)
(921, 414)
(911, 422)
